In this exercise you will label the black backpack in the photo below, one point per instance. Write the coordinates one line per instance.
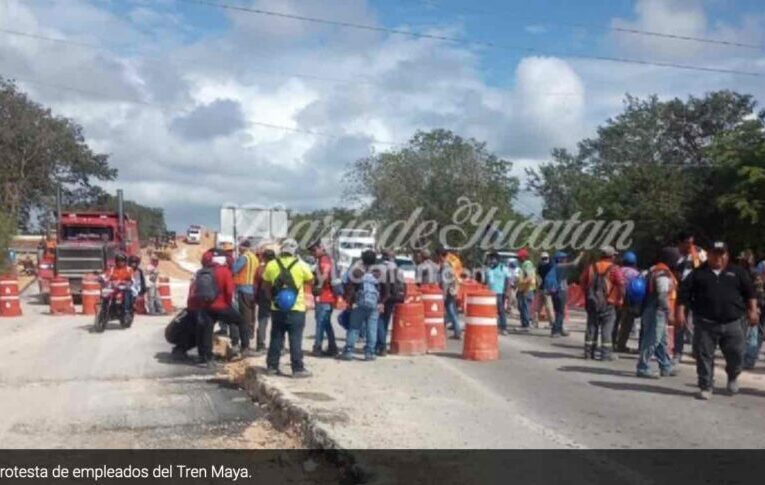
(205, 286)
(596, 298)
(284, 280)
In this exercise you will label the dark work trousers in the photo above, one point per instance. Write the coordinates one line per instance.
(264, 314)
(240, 332)
(204, 337)
(602, 323)
(181, 332)
(707, 335)
(383, 323)
(291, 323)
(246, 304)
(625, 321)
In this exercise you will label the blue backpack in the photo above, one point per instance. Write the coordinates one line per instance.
(368, 294)
(637, 289)
(550, 283)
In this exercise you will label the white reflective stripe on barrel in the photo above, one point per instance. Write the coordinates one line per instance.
(165, 298)
(9, 283)
(60, 298)
(434, 321)
(91, 292)
(484, 321)
(432, 297)
(9, 297)
(481, 300)
(60, 284)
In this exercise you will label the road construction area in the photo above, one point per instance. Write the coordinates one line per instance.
(62, 386)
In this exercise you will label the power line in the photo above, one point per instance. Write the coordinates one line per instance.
(624, 30)
(462, 40)
(274, 72)
(263, 124)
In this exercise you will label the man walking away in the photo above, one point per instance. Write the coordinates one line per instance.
(556, 284)
(658, 315)
(604, 292)
(721, 296)
(244, 269)
(527, 284)
(496, 279)
(545, 301)
(263, 298)
(754, 335)
(285, 278)
(448, 279)
(365, 293)
(325, 300)
(394, 280)
(633, 301)
(691, 257)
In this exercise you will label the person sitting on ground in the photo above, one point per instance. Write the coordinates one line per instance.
(658, 315)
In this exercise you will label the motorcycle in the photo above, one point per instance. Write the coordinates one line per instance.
(113, 307)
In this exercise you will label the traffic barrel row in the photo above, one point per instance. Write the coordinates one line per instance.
(10, 305)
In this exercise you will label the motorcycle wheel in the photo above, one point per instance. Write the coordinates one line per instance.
(99, 324)
(126, 320)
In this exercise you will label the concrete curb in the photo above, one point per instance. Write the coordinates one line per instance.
(285, 411)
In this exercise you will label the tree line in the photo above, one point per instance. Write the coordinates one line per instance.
(40, 151)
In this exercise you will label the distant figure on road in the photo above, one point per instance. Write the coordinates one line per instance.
(448, 278)
(556, 284)
(722, 299)
(244, 269)
(691, 257)
(325, 301)
(626, 315)
(284, 278)
(153, 302)
(754, 335)
(427, 270)
(394, 280)
(545, 301)
(263, 298)
(527, 285)
(365, 293)
(603, 287)
(497, 276)
(658, 315)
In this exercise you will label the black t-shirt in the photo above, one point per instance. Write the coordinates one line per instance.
(721, 298)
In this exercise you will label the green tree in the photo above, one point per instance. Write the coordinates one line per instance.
(652, 164)
(40, 151)
(432, 173)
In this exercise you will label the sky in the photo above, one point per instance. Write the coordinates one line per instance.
(199, 105)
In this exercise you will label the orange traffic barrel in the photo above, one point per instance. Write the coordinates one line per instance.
(60, 297)
(408, 334)
(10, 305)
(481, 341)
(466, 288)
(91, 294)
(163, 288)
(433, 307)
(412, 293)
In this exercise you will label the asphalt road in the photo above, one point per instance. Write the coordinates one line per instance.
(63, 386)
(593, 404)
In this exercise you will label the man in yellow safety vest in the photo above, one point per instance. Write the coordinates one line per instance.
(244, 269)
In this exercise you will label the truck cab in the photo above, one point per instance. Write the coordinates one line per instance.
(349, 244)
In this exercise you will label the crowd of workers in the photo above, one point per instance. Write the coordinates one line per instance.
(700, 297)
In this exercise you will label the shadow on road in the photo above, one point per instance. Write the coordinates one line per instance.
(549, 355)
(744, 391)
(631, 386)
(603, 371)
(168, 358)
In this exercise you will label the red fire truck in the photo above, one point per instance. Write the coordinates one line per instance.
(85, 243)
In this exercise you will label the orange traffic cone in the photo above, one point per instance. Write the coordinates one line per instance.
(408, 334)
(481, 341)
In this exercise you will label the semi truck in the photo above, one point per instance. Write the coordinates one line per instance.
(254, 223)
(85, 242)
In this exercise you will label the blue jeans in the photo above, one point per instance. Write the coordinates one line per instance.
(654, 341)
(559, 305)
(382, 326)
(501, 314)
(524, 307)
(450, 314)
(323, 312)
(362, 318)
(753, 346)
